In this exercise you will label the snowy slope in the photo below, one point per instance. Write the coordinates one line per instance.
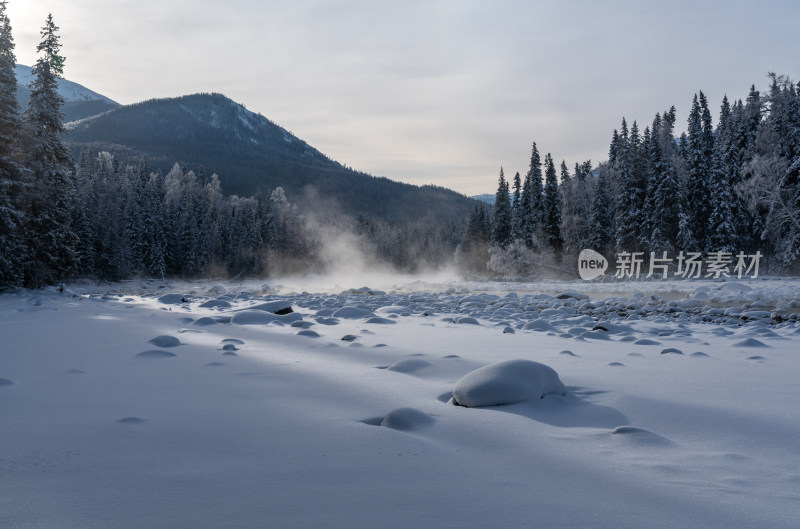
(682, 407)
(67, 89)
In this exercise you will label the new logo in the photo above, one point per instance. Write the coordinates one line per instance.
(591, 264)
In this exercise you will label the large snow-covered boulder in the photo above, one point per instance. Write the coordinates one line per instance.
(507, 382)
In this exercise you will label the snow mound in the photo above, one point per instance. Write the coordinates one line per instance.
(381, 321)
(612, 328)
(252, 317)
(4, 382)
(308, 333)
(204, 322)
(640, 436)
(750, 342)
(646, 341)
(507, 382)
(352, 313)
(132, 420)
(155, 354)
(216, 303)
(671, 350)
(468, 320)
(279, 307)
(538, 325)
(407, 419)
(165, 341)
(409, 366)
(172, 299)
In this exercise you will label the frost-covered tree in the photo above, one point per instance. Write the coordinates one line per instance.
(49, 236)
(502, 217)
(628, 214)
(473, 252)
(12, 220)
(722, 234)
(700, 160)
(517, 214)
(601, 223)
(531, 201)
(663, 203)
(552, 207)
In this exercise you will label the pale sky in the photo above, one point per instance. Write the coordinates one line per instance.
(435, 91)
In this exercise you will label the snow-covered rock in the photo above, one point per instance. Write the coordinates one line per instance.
(507, 382)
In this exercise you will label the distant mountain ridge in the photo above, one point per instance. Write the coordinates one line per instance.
(488, 198)
(79, 101)
(246, 150)
(249, 152)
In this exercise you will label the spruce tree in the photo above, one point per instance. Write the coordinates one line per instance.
(501, 231)
(700, 153)
(628, 205)
(722, 228)
(49, 235)
(12, 220)
(534, 212)
(601, 226)
(663, 205)
(525, 220)
(552, 207)
(517, 215)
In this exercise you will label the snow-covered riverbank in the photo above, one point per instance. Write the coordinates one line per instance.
(682, 407)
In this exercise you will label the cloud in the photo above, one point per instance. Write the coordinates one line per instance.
(421, 91)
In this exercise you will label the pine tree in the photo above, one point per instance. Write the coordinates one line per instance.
(552, 207)
(700, 154)
(628, 217)
(722, 229)
(533, 206)
(517, 215)
(501, 231)
(12, 220)
(49, 235)
(663, 204)
(601, 227)
(613, 150)
(157, 232)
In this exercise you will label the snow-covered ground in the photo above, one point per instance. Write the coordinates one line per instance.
(193, 405)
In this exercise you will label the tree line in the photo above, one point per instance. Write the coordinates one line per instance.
(733, 187)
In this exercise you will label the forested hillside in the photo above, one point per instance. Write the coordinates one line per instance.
(251, 153)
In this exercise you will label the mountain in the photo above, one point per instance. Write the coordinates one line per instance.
(79, 101)
(488, 198)
(249, 152)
